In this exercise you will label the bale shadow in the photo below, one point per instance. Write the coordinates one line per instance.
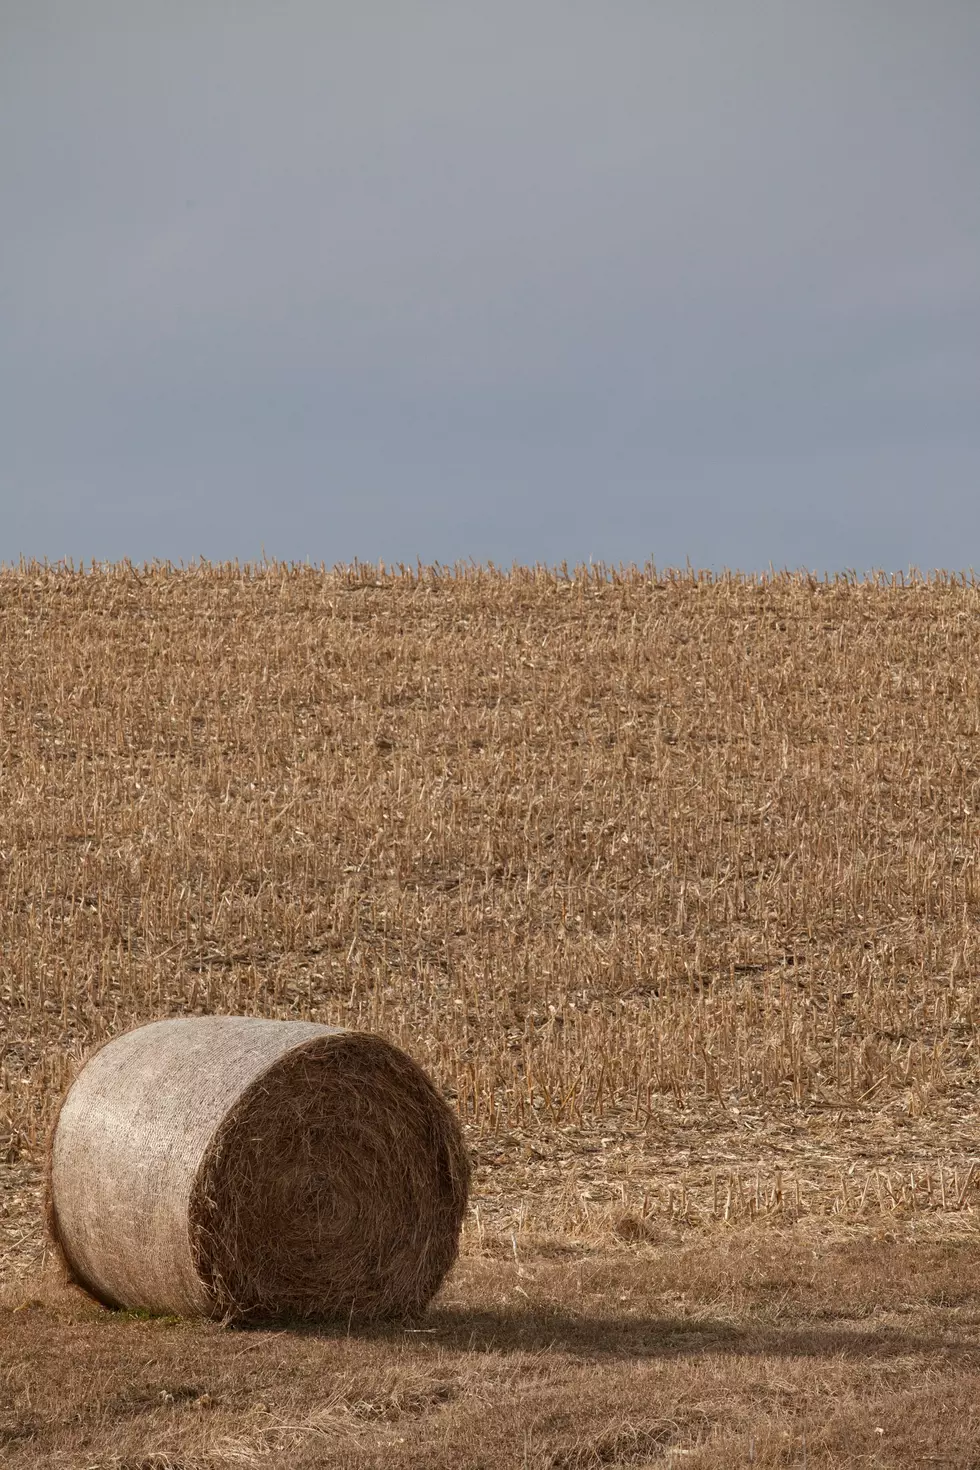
(504, 1331)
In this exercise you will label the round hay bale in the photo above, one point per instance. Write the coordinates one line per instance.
(249, 1169)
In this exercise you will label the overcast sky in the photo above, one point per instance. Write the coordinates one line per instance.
(512, 280)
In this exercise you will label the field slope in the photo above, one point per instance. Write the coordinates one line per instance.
(670, 881)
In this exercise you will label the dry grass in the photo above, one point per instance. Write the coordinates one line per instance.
(671, 883)
(765, 1348)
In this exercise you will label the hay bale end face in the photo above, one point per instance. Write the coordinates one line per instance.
(249, 1169)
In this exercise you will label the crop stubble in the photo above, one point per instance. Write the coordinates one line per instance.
(670, 881)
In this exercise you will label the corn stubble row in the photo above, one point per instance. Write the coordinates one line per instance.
(589, 845)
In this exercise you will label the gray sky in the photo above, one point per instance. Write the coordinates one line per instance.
(530, 279)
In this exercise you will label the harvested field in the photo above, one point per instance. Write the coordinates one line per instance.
(669, 882)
